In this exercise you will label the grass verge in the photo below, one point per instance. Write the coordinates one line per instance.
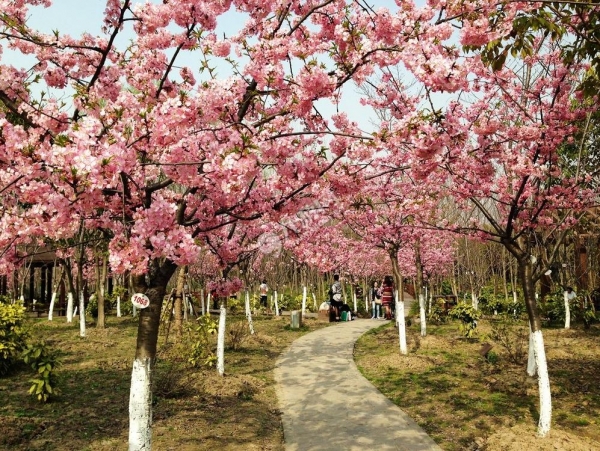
(462, 398)
(193, 409)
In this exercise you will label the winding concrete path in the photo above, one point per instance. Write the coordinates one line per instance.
(328, 405)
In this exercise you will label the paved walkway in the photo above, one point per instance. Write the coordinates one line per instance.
(328, 405)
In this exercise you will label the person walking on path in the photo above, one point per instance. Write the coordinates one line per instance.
(263, 288)
(376, 297)
(328, 405)
(335, 296)
(387, 296)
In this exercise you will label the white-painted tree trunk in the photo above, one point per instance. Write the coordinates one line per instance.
(51, 308)
(140, 406)
(134, 311)
(276, 304)
(81, 315)
(354, 301)
(314, 301)
(303, 299)
(567, 311)
(396, 300)
(367, 303)
(249, 313)
(474, 300)
(69, 307)
(208, 301)
(118, 306)
(202, 309)
(543, 385)
(221, 341)
(422, 315)
(401, 327)
(186, 306)
(531, 366)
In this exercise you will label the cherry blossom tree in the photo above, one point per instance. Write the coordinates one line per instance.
(135, 141)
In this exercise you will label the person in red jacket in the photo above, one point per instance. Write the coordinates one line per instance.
(387, 296)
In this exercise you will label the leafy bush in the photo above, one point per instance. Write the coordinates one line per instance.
(13, 336)
(468, 317)
(492, 303)
(91, 309)
(553, 308)
(437, 315)
(201, 349)
(44, 361)
(513, 339)
(237, 333)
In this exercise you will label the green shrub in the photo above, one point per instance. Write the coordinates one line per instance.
(492, 358)
(468, 317)
(437, 315)
(237, 333)
(513, 338)
(13, 336)
(44, 361)
(201, 347)
(15, 349)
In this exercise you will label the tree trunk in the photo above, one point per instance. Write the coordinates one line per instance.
(276, 303)
(567, 310)
(303, 299)
(202, 309)
(221, 341)
(101, 283)
(249, 312)
(140, 395)
(401, 327)
(419, 294)
(526, 275)
(178, 304)
(399, 303)
(81, 314)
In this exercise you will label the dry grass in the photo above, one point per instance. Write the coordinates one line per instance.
(194, 409)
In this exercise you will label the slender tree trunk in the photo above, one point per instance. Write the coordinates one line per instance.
(526, 276)
(393, 253)
(202, 309)
(531, 366)
(419, 293)
(276, 304)
(401, 327)
(140, 395)
(249, 312)
(118, 306)
(70, 293)
(70, 303)
(178, 304)
(100, 292)
(81, 314)
(303, 299)
(567, 310)
(57, 281)
(221, 341)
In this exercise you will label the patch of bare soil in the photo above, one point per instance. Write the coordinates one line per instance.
(523, 438)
